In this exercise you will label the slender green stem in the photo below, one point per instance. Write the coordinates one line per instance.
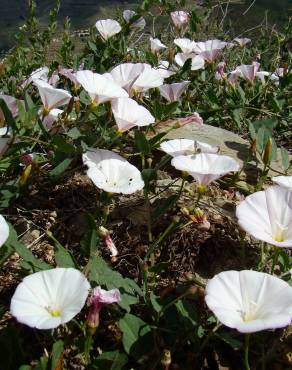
(246, 352)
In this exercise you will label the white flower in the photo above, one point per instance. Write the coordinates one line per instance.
(51, 118)
(47, 299)
(128, 113)
(180, 18)
(136, 77)
(163, 69)
(198, 62)
(242, 41)
(50, 96)
(99, 88)
(250, 301)
(111, 172)
(267, 216)
(128, 16)
(172, 92)
(39, 74)
(156, 45)
(186, 45)
(108, 28)
(4, 230)
(285, 181)
(183, 147)
(247, 71)
(206, 167)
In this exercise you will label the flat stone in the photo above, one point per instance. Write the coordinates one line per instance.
(229, 143)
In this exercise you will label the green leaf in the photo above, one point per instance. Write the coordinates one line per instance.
(148, 175)
(141, 143)
(62, 145)
(58, 348)
(61, 167)
(101, 274)
(63, 257)
(110, 361)
(163, 207)
(137, 337)
(8, 115)
(227, 338)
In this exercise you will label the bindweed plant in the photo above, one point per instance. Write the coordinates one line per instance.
(127, 239)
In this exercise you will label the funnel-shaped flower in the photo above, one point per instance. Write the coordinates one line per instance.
(99, 88)
(180, 18)
(4, 230)
(198, 62)
(206, 167)
(210, 49)
(183, 147)
(111, 172)
(128, 113)
(248, 71)
(163, 69)
(39, 74)
(250, 301)
(108, 28)
(47, 299)
(128, 15)
(97, 300)
(285, 181)
(267, 215)
(52, 97)
(136, 77)
(156, 45)
(172, 92)
(186, 45)
(242, 41)
(12, 105)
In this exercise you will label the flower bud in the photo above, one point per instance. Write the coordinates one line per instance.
(268, 151)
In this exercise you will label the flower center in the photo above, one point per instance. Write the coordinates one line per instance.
(250, 313)
(54, 312)
(279, 234)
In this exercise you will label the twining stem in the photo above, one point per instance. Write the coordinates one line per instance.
(246, 351)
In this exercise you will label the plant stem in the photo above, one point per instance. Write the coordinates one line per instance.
(246, 352)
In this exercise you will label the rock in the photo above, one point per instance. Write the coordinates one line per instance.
(230, 144)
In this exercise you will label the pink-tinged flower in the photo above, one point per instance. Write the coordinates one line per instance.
(128, 15)
(267, 216)
(172, 92)
(99, 297)
(232, 78)
(180, 18)
(219, 74)
(128, 113)
(105, 236)
(12, 105)
(248, 71)
(242, 41)
(205, 167)
(210, 49)
(156, 45)
(70, 74)
(100, 88)
(51, 118)
(193, 118)
(250, 301)
(52, 97)
(108, 28)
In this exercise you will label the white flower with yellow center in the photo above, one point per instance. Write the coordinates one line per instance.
(267, 216)
(250, 301)
(47, 299)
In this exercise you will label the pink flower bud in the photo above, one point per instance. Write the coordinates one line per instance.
(100, 297)
(193, 118)
(105, 236)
